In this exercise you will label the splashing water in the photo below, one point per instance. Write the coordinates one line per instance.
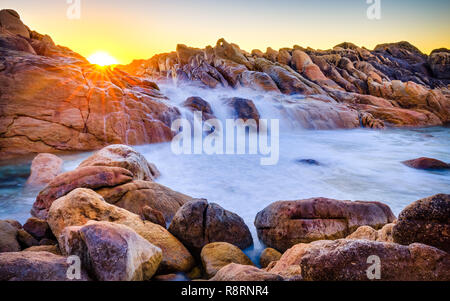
(353, 164)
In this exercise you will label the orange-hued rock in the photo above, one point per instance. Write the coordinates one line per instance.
(426, 163)
(286, 223)
(93, 177)
(239, 272)
(44, 168)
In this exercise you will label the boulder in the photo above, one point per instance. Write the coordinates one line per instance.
(286, 223)
(198, 223)
(425, 221)
(52, 249)
(216, 255)
(8, 237)
(243, 108)
(267, 256)
(195, 103)
(82, 205)
(258, 81)
(154, 216)
(25, 239)
(115, 252)
(369, 233)
(426, 163)
(439, 61)
(36, 266)
(93, 177)
(38, 228)
(10, 20)
(44, 168)
(134, 196)
(238, 272)
(350, 260)
(119, 155)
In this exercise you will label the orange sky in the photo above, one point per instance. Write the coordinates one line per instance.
(137, 29)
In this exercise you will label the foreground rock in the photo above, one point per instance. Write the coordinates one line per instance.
(238, 272)
(369, 233)
(216, 255)
(44, 168)
(425, 221)
(112, 252)
(8, 237)
(123, 156)
(426, 163)
(268, 255)
(36, 266)
(198, 223)
(82, 205)
(136, 195)
(347, 260)
(286, 223)
(93, 177)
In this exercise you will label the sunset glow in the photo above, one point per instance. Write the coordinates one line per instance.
(102, 58)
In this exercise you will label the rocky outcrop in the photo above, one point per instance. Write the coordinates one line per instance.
(37, 266)
(53, 100)
(123, 156)
(238, 272)
(350, 260)
(113, 252)
(198, 223)
(216, 255)
(439, 61)
(82, 205)
(426, 163)
(92, 177)
(286, 223)
(425, 221)
(44, 168)
(136, 195)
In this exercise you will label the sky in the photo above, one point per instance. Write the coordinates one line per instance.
(138, 29)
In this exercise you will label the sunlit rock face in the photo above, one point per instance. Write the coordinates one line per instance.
(52, 99)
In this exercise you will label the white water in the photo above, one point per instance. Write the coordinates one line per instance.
(354, 165)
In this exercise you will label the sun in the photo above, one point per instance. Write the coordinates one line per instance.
(102, 58)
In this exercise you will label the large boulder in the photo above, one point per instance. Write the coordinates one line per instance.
(425, 221)
(439, 61)
(10, 20)
(82, 205)
(93, 177)
(195, 103)
(119, 155)
(8, 237)
(350, 260)
(44, 168)
(114, 252)
(267, 256)
(239, 272)
(259, 81)
(37, 266)
(243, 108)
(216, 255)
(198, 223)
(286, 223)
(426, 163)
(135, 196)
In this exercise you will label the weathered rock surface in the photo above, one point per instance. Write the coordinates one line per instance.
(134, 196)
(425, 221)
(286, 223)
(82, 205)
(35, 266)
(38, 228)
(51, 249)
(93, 177)
(198, 223)
(118, 155)
(44, 168)
(348, 260)
(369, 233)
(25, 239)
(114, 252)
(238, 272)
(216, 255)
(268, 255)
(426, 163)
(198, 104)
(8, 237)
